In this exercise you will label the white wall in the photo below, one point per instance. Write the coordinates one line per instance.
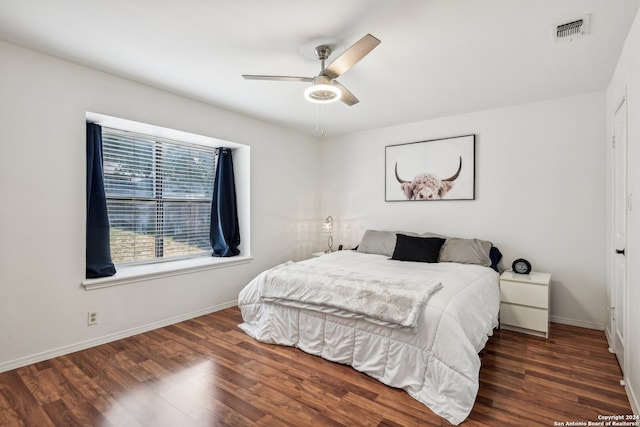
(43, 307)
(540, 187)
(627, 78)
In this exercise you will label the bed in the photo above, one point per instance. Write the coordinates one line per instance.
(433, 355)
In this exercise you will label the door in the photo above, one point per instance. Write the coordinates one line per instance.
(620, 206)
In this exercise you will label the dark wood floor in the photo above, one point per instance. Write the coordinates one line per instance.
(206, 372)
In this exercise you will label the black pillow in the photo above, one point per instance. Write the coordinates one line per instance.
(495, 255)
(420, 249)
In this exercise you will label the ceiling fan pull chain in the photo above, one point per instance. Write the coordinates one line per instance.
(320, 119)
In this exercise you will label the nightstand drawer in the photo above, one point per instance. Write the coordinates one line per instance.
(524, 294)
(524, 317)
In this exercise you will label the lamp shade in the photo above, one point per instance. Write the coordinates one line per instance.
(327, 225)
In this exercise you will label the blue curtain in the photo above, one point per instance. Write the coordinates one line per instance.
(99, 262)
(224, 233)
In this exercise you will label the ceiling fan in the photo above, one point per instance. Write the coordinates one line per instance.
(325, 87)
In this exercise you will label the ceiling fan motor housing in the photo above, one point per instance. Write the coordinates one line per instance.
(322, 53)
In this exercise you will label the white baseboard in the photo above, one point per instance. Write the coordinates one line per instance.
(61, 351)
(576, 322)
(607, 334)
(633, 400)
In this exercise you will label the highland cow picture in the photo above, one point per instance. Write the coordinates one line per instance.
(438, 169)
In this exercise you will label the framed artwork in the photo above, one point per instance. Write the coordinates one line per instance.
(438, 169)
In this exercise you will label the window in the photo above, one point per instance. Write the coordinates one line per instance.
(159, 195)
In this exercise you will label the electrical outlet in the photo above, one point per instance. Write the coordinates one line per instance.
(92, 318)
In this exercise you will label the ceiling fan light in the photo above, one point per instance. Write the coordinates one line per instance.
(323, 93)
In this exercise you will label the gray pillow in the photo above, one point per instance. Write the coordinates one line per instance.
(428, 234)
(379, 242)
(466, 251)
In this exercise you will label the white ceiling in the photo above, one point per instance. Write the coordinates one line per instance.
(437, 57)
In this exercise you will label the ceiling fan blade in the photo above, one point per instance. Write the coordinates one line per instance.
(347, 97)
(351, 56)
(278, 78)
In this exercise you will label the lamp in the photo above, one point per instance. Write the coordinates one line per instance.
(323, 91)
(327, 227)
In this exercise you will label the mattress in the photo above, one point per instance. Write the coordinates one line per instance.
(437, 363)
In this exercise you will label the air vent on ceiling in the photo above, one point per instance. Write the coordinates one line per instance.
(569, 31)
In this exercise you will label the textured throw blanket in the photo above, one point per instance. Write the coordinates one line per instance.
(382, 298)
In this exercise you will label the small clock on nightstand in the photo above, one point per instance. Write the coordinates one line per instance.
(521, 266)
(524, 302)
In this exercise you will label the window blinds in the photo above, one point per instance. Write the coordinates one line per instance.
(158, 196)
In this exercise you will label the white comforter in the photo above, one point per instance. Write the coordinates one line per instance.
(437, 365)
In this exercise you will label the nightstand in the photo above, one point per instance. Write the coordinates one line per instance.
(524, 302)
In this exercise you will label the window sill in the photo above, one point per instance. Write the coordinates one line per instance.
(140, 273)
